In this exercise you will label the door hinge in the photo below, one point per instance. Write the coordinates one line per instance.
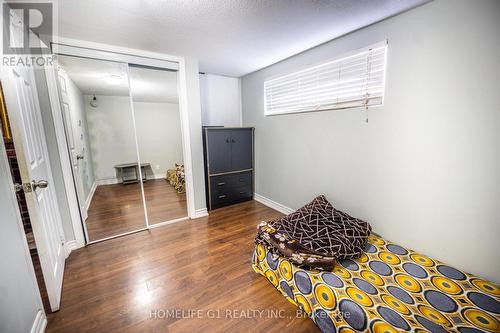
(26, 187)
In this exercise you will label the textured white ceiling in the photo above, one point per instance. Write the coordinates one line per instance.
(229, 37)
(147, 85)
(90, 75)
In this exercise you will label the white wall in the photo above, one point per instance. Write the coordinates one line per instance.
(112, 135)
(192, 81)
(425, 170)
(20, 300)
(220, 100)
(159, 135)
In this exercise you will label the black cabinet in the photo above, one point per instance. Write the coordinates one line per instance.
(228, 155)
(241, 149)
(219, 146)
(230, 188)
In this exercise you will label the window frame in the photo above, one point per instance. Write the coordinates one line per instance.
(308, 67)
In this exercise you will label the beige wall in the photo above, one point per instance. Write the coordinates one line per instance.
(425, 170)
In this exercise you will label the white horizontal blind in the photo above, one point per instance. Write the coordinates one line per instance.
(352, 81)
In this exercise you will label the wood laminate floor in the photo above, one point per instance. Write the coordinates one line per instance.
(201, 268)
(118, 208)
(163, 202)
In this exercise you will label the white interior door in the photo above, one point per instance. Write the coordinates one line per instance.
(75, 137)
(31, 149)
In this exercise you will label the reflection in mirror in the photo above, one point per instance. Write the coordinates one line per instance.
(158, 127)
(100, 134)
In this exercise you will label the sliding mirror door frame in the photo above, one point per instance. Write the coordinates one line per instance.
(132, 57)
(177, 210)
(101, 137)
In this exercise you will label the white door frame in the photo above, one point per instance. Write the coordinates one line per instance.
(126, 55)
(76, 220)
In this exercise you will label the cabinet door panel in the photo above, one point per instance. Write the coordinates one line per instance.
(241, 149)
(219, 151)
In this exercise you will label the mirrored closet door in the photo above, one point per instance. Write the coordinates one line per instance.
(100, 132)
(123, 131)
(155, 102)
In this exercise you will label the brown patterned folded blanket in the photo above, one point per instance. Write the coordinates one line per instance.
(315, 236)
(176, 178)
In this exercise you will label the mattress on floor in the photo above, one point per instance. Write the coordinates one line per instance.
(388, 289)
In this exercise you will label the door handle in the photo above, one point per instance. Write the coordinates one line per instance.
(79, 157)
(40, 184)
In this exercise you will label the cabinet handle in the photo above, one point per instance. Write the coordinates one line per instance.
(242, 180)
(227, 140)
(241, 192)
(233, 141)
(221, 183)
(222, 196)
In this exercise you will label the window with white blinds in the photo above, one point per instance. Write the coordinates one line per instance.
(356, 80)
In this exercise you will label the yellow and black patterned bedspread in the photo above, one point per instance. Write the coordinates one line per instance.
(387, 289)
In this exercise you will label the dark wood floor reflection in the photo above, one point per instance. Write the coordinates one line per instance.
(203, 264)
(163, 202)
(116, 209)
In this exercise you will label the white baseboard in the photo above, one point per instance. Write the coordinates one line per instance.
(161, 224)
(112, 181)
(70, 246)
(108, 181)
(40, 323)
(90, 196)
(200, 213)
(273, 204)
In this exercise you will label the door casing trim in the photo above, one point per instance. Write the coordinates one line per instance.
(66, 165)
